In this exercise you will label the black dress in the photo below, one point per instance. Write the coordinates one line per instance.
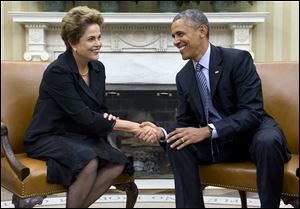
(67, 128)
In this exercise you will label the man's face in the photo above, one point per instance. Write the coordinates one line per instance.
(187, 39)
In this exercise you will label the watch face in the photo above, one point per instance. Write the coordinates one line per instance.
(210, 126)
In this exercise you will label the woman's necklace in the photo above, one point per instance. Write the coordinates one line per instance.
(85, 74)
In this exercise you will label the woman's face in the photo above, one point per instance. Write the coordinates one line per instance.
(89, 44)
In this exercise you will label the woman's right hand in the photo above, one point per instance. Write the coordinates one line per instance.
(147, 133)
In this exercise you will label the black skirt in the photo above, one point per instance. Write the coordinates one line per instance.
(66, 155)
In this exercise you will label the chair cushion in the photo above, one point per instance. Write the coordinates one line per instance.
(36, 183)
(244, 173)
(33, 185)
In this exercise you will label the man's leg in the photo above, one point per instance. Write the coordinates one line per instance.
(267, 152)
(184, 164)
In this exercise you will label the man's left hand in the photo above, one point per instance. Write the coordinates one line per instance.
(183, 137)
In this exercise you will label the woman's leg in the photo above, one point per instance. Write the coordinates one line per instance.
(105, 178)
(79, 190)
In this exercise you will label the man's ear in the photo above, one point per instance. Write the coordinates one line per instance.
(203, 30)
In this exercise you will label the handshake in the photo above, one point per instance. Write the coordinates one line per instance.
(146, 131)
(149, 132)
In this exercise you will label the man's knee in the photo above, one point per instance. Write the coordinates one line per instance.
(267, 141)
(173, 152)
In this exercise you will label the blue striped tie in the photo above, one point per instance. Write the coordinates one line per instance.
(211, 113)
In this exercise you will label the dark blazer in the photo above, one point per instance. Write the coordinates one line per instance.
(236, 94)
(67, 104)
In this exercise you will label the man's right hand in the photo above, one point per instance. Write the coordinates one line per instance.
(157, 130)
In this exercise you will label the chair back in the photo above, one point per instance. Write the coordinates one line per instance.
(20, 82)
(280, 85)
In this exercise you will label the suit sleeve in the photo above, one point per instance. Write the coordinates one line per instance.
(249, 101)
(60, 85)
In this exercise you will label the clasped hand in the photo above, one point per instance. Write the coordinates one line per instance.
(146, 131)
(179, 138)
(149, 132)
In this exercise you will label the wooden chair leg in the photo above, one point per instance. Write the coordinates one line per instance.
(131, 192)
(27, 202)
(294, 201)
(243, 196)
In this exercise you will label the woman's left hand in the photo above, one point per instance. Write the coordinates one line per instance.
(110, 116)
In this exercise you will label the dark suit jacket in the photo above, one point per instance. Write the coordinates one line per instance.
(236, 94)
(67, 104)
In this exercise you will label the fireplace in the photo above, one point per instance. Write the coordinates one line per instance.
(155, 103)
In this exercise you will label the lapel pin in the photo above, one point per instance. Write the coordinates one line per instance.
(216, 72)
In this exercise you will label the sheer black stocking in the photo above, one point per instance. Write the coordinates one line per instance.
(91, 183)
(79, 190)
(105, 178)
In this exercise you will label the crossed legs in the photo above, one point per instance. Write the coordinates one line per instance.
(91, 184)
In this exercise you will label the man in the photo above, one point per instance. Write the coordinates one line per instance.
(220, 116)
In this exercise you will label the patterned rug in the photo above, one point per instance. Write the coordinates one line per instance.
(147, 201)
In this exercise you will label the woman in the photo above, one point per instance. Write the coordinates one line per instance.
(70, 121)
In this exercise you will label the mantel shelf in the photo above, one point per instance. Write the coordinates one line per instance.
(145, 18)
(141, 42)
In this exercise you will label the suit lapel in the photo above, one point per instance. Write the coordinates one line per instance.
(94, 84)
(93, 74)
(194, 91)
(88, 89)
(215, 69)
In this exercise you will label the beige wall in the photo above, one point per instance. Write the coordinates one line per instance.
(277, 39)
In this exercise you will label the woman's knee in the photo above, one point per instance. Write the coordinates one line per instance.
(116, 169)
(91, 167)
(119, 168)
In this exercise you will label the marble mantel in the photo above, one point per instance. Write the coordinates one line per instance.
(138, 43)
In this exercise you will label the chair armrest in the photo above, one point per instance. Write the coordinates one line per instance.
(20, 170)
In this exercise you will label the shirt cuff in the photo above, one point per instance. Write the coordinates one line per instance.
(214, 133)
(165, 138)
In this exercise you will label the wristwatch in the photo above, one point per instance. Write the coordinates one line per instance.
(211, 130)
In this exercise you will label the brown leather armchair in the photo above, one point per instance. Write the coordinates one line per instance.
(280, 83)
(25, 177)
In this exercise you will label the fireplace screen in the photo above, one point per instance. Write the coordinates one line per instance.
(150, 160)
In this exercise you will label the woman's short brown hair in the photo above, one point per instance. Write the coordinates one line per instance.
(76, 22)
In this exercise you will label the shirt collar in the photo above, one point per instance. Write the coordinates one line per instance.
(204, 61)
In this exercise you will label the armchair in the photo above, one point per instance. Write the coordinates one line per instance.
(280, 85)
(25, 177)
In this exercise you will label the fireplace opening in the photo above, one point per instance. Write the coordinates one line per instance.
(157, 106)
